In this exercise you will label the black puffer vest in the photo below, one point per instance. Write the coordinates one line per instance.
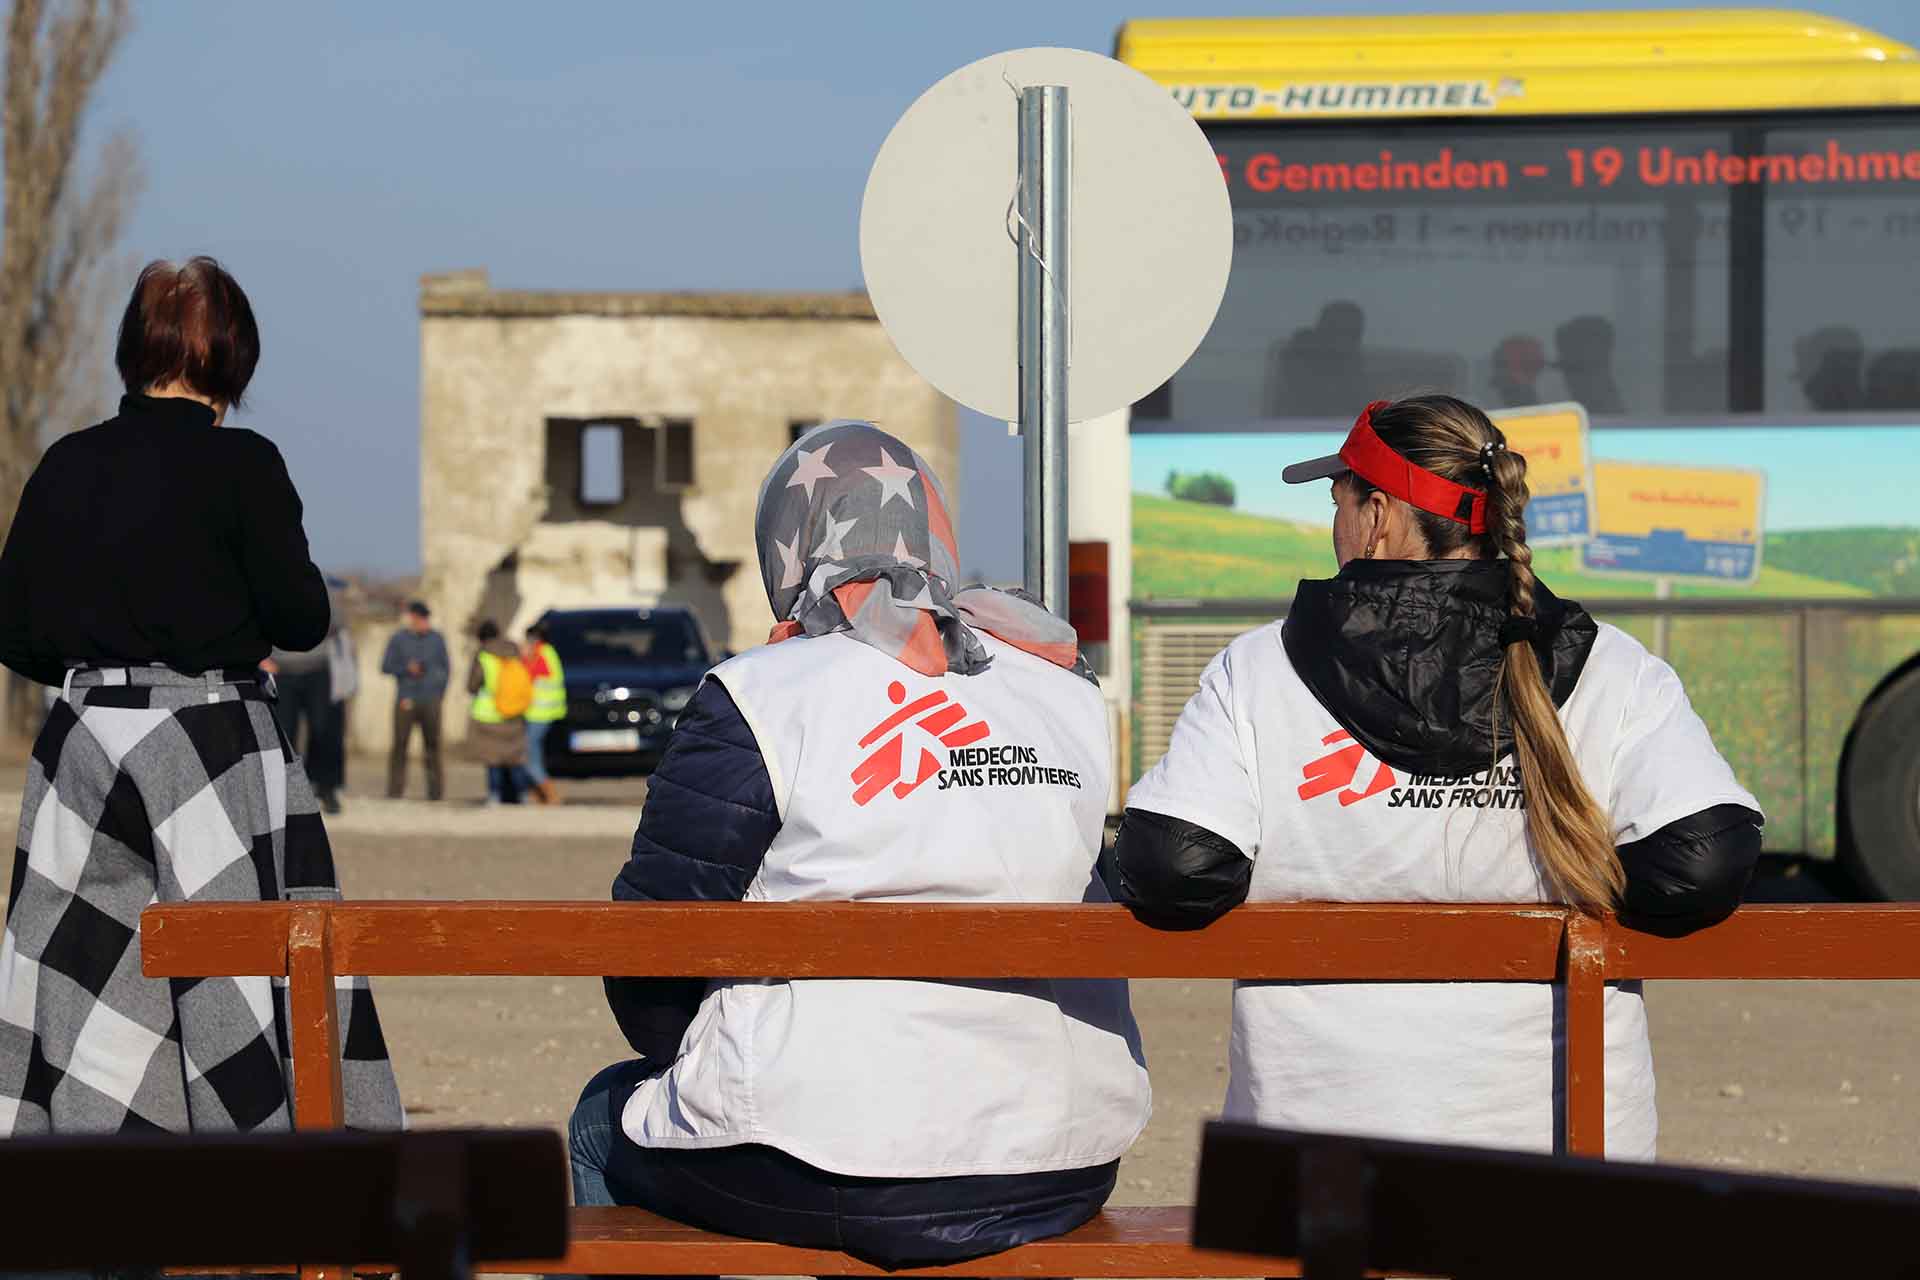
(1405, 655)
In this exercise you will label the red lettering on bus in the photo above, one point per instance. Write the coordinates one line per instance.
(1652, 166)
(1265, 172)
(1839, 163)
(1330, 177)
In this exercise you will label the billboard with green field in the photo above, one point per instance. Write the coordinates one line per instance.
(1781, 688)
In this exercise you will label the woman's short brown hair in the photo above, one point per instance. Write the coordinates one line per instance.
(188, 324)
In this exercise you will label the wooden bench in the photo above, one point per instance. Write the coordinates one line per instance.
(311, 944)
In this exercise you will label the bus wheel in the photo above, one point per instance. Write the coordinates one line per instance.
(1880, 794)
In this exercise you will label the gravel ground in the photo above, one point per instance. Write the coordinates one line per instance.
(1819, 1078)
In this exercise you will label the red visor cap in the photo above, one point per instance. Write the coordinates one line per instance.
(1374, 460)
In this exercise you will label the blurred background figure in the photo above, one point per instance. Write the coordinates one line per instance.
(1829, 363)
(502, 692)
(1322, 366)
(1893, 379)
(1585, 347)
(314, 687)
(417, 659)
(549, 707)
(1517, 364)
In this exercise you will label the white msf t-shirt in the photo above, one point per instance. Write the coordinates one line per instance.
(897, 787)
(1257, 759)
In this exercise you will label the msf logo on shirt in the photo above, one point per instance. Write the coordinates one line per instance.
(1340, 770)
(931, 719)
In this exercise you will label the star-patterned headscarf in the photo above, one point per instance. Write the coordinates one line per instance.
(855, 536)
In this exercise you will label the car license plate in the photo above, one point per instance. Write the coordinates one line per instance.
(607, 740)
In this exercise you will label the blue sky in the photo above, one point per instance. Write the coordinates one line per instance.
(330, 154)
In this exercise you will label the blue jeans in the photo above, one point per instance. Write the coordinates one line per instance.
(505, 782)
(765, 1194)
(537, 750)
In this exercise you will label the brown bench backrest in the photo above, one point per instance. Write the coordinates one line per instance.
(312, 943)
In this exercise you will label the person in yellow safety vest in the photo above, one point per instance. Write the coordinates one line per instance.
(549, 708)
(498, 739)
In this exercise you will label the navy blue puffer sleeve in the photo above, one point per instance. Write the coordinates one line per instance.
(706, 825)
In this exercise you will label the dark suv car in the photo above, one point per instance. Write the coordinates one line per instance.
(629, 673)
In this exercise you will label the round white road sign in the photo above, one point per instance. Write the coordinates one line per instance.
(1150, 232)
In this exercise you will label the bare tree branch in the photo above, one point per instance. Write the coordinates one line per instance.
(62, 220)
(61, 224)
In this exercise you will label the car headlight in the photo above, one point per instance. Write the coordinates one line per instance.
(677, 699)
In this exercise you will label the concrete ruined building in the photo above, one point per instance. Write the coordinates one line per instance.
(607, 448)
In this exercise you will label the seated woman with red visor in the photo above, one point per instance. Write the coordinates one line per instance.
(1434, 725)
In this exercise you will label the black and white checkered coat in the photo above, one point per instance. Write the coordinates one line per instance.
(148, 786)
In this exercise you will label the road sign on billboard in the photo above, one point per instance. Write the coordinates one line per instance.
(1677, 522)
(1553, 437)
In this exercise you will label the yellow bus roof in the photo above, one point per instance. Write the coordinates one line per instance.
(1574, 63)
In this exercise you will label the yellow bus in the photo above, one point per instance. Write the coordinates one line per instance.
(1699, 232)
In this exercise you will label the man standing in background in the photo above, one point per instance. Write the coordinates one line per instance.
(416, 657)
(306, 692)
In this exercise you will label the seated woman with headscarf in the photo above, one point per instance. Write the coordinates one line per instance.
(898, 741)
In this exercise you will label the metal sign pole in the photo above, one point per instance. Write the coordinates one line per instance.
(1045, 186)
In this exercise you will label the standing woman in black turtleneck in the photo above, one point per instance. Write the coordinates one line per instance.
(154, 561)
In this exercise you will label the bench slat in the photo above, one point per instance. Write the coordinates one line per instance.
(1124, 1242)
(1306, 941)
(1849, 941)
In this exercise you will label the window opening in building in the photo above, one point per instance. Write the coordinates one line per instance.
(602, 464)
(674, 461)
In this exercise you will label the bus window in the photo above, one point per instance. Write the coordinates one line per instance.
(1841, 273)
(1509, 264)
(1758, 267)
